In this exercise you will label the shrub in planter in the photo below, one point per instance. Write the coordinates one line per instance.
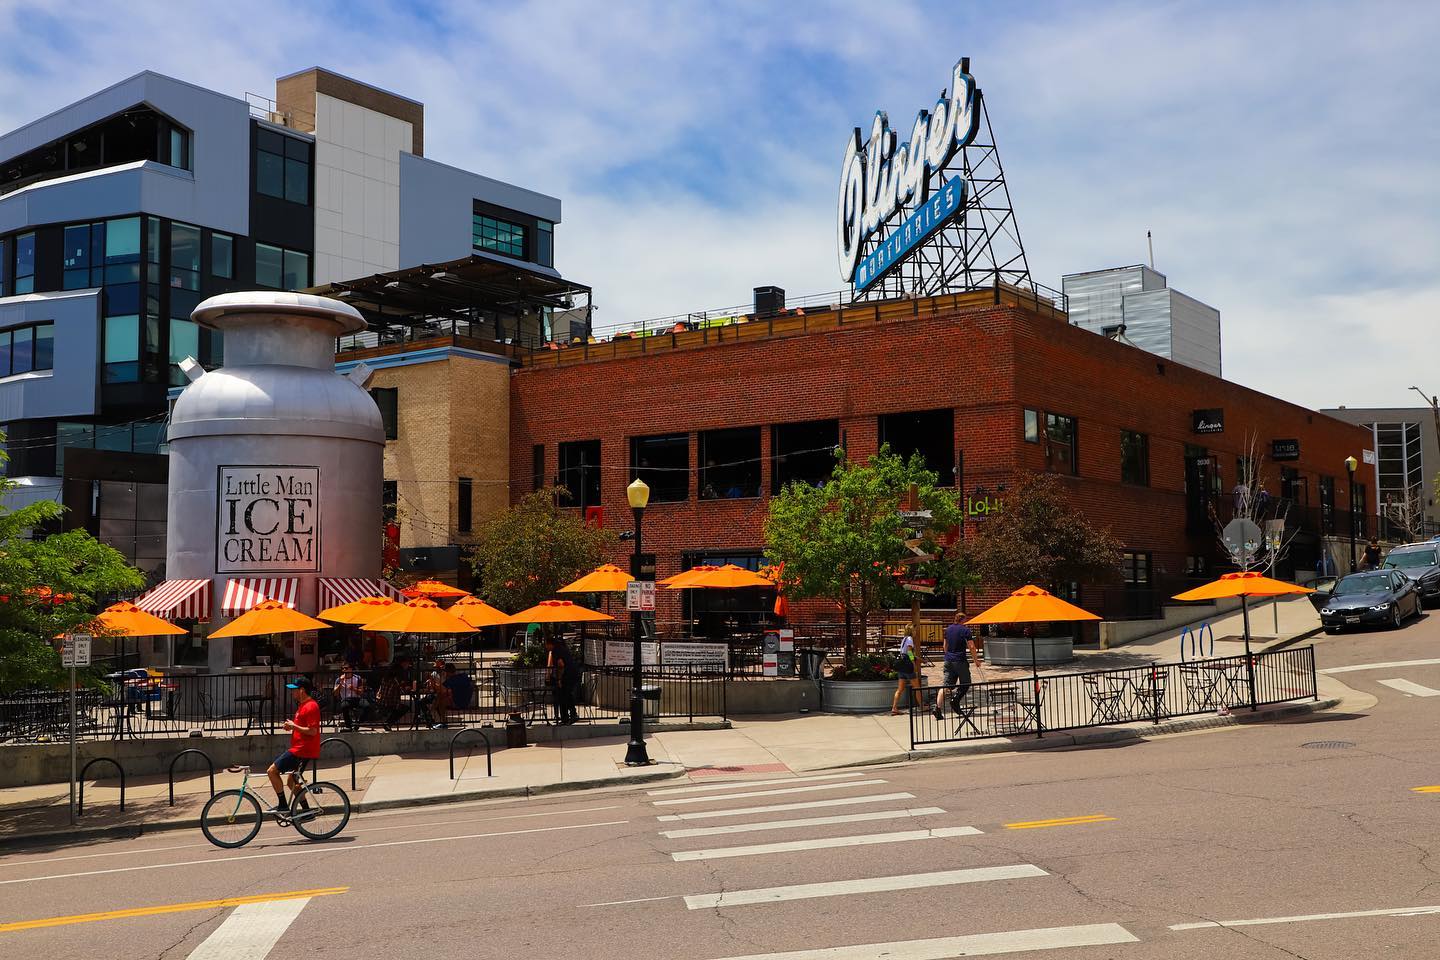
(865, 666)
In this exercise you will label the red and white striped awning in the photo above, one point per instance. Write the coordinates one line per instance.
(245, 593)
(335, 591)
(178, 600)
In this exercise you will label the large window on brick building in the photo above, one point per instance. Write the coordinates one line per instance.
(930, 433)
(537, 466)
(1062, 453)
(1134, 458)
(580, 472)
(802, 452)
(388, 400)
(663, 462)
(730, 463)
(464, 504)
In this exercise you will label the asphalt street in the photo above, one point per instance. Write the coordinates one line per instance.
(1311, 838)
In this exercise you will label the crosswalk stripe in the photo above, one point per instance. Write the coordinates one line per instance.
(1265, 921)
(805, 822)
(250, 932)
(781, 807)
(839, 888)
(767, 793)
(823, 843)
(1389, 665)
(1412, 689)
(738, 784)
(974, 945)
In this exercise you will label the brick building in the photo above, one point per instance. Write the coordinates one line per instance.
(985, 384)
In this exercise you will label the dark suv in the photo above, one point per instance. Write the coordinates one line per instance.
(1421, 563)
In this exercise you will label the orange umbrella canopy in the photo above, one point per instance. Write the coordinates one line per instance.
(1245, 584)
(359, 612)
(433, 588)
(1030, 604)
(478, 613)
(127, 620)
(558, 611)
(727, 577)
(270, 616)
(418, 616)
(604, 579)
(685, 576)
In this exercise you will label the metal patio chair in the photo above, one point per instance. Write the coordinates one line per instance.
(1107, 699)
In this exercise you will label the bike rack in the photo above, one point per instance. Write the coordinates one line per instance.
(348, 749)
(176, 759)
(118, 769)
(489, 769)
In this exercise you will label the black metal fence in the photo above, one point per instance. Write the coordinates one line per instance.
(1074, 701)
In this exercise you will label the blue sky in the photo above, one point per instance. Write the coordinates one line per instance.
(1283, 154)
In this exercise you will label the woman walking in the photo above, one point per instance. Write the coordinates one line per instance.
(910, 671)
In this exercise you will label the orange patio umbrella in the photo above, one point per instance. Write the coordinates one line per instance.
(558, 611)
(269, 616)
(1030, 604)
(728, 577)
(478, 613)
(684, 576)
(358, 612)
(1244, 584)
(124, 619)
(420, 615)
(603, 579)
(433, 588)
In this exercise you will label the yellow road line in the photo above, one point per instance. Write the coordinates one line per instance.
(168, 908)
(1434, 789)
(1058, 822)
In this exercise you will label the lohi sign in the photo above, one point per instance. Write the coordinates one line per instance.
(879, 179)
(267, 519)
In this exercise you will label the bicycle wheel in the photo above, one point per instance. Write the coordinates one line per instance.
(321, 811)
(230, 819)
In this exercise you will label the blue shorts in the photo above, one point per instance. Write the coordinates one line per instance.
(288, 762)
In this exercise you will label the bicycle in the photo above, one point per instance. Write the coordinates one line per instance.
(232, 818)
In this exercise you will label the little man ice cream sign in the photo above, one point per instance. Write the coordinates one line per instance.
(268, 519)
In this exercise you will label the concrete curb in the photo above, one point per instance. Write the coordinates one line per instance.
(130, 831)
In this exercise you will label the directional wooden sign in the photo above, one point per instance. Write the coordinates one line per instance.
(919, 584)
(918, 558)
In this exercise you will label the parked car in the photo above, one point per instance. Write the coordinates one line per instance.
(1421, 563)
(1370, 598)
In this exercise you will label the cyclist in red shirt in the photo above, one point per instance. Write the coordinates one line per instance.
(304, 740)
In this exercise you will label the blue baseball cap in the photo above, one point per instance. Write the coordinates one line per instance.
(301, 683)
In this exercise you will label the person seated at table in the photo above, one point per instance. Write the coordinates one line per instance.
(563, 676)
(460, 686)
(350, 695)
(391, 696)
(434, 699)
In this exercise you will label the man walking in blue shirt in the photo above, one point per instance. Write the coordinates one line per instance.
(960, 649)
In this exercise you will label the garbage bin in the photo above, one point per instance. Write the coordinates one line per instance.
(810, 662)
(650, 700)
(515, 731)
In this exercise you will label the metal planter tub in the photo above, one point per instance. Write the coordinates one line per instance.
(856, 696)
(1016, 650)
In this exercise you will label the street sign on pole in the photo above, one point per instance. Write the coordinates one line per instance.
(640, 595)
(75, 652)
(1243, 539)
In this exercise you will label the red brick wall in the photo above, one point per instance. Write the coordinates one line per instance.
(987, 363)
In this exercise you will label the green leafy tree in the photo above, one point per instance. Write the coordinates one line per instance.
(529, 552)
(1040, 537)
(49, 585)
(845, 540)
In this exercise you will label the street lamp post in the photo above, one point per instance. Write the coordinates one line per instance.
(638, 493)
(1350, 464)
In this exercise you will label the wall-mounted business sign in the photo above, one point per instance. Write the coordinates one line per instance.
(880, 180)
(1284, 449)
(1208, 421)
(267, 519)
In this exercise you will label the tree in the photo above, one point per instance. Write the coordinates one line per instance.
(1041, 538)
(529, 552)
(845, 540)
(1251, 501)
(48, 586)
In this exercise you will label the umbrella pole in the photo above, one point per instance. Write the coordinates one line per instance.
(1249, 662)
(1035, 687)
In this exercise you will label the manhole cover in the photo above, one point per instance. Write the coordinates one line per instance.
(1328, 745)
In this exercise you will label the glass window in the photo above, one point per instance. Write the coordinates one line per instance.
(184, 256)
(580, 472)
(184, 342)
(268, 266)
(297, 270)
(730, 463)
(45, 346)
(122, 349)
(76, 256)
(803, 453)
(4, 353)
(222, 255)
(270, 174)
(71, 435)
(4, 267)
(930, 433)
(663, 462)
(22, 350)
(389, 500)
(388, 400)
(179, 148)
(282, 167)
(122, 251)
(148, 437)
(25, 263)
(464, 505)
(1060, 449)
(1032, 426)
(297, 180)
(537, 466)
(1134, 458)
(545, 243)
(498, 236)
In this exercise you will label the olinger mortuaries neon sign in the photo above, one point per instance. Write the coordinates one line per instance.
(880, 180)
